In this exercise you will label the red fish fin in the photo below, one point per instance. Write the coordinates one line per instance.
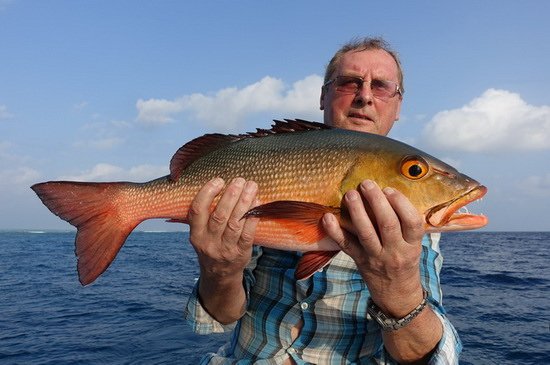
(302, 218)
(297, 125)
(311, 262)
(195, 149)
(203, 145)
(95, 209)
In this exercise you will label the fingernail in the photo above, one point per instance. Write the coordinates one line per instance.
(328, 218)
(352, 195)
(238, 181)
(217, 181)
(388, 190)
(368, 184)
(250, 186)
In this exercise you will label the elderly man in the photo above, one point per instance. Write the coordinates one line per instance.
(378, 301)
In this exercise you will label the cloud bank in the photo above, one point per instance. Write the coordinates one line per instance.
(228, 107)
(497, 120)
(15, 174)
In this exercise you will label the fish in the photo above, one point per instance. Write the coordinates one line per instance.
(302, 168)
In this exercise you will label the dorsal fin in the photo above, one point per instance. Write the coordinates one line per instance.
(296, 125)
(196, 148)
(203, 145)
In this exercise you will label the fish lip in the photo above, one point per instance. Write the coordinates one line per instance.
(444, 217)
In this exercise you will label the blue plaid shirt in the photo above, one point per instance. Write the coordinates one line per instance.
(332, 304)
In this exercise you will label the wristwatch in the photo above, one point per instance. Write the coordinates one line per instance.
(392, 324)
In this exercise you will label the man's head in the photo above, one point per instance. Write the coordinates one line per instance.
(369, 100)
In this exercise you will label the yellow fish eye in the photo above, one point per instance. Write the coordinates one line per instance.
(414, 167)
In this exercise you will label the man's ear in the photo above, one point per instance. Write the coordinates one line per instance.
(322, 99)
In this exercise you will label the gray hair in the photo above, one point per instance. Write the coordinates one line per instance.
(364, 44)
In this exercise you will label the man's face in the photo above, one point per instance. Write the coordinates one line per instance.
(362, 111)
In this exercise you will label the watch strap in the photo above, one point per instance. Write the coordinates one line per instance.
(392, 324)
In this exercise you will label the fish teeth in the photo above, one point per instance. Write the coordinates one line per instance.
(464, 210)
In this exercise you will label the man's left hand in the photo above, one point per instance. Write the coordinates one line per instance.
(386, 248)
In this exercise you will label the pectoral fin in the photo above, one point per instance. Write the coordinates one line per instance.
(303, 219)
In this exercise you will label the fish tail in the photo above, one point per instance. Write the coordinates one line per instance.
(97, 211)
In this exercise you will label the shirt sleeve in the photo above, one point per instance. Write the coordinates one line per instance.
(200, 320)
(450, 346)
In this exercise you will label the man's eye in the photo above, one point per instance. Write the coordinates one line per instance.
(379, 84)
(350, 83)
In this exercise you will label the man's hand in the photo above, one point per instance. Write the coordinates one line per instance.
(386, 245)
(223, 242)
(386, 250)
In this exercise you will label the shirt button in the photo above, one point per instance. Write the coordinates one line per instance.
(304, 306)
(291, 350)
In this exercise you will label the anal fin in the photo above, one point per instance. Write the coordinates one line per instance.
(311, 262)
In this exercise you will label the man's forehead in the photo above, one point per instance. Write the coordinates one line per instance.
(375, 60)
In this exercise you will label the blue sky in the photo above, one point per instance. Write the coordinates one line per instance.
(108, 90)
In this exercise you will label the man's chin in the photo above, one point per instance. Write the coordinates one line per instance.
(361, 125)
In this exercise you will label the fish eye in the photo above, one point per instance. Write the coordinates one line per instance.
(414, 167)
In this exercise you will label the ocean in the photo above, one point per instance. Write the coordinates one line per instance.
(496, 289)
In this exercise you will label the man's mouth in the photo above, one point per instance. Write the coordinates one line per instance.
(360, 116)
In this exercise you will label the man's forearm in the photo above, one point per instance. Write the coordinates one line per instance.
(223, 298)
(415, 343)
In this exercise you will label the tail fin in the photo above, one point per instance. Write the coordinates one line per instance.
(96, 210)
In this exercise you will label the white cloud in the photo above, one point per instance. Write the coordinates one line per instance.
(18, 176)
(108, 172)
(13, 169)
(9, 158)
(497, 120)
(4, 114)
(158, 111)
(227, 107)
(457, 164)
(102, 135)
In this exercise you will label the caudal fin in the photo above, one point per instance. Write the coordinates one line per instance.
(96, 210)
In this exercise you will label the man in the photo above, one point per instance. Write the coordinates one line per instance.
(386, 264)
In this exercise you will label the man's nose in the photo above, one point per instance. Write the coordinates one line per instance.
(364, 95)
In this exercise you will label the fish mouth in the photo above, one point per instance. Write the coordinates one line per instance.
(446, 217)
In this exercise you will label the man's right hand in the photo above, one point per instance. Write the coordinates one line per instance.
(223, 242)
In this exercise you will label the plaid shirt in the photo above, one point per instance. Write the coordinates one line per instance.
(332, 304)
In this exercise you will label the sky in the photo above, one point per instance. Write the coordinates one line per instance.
(109, 90)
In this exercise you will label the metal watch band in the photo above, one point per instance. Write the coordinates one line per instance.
(392, 324)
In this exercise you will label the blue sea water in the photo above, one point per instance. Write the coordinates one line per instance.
(496, 290)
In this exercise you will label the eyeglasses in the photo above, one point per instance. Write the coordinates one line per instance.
(381, 89)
